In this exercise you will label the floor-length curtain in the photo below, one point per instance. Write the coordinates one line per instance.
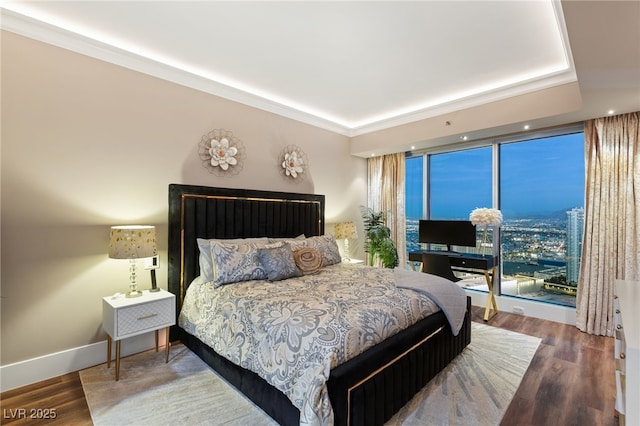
(611, 246)
(385, 183)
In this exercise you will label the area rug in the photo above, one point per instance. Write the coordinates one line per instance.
(475, 389)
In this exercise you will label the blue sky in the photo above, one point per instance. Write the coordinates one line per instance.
(537, 178)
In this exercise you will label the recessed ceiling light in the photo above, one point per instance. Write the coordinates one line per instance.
(464, 138)
(413, 147)
(610, 112)
(526, 127)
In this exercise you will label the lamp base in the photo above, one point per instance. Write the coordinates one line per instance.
(134, 293)
(347, 255)
(133, 288)
(153, 290)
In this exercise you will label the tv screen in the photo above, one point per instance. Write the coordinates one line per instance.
(449, 232)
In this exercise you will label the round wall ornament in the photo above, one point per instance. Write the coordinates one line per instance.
(293, 163)
(221, 153)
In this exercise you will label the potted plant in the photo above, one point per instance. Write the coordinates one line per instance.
(378, 242)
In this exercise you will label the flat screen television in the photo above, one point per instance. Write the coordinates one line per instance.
(449, 232)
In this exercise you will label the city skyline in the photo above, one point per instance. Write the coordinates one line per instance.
(575, 234)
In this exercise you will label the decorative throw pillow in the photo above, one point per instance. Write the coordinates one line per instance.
(207, 267)
(328, 248)
(308, 260)
(277, 262)
(234, 262)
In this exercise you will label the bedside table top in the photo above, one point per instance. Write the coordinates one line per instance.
(122, 300)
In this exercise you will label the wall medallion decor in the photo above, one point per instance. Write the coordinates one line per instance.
(293, 163)
(221, 153)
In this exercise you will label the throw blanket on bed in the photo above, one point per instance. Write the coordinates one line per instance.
(293, 332)
(449, 297)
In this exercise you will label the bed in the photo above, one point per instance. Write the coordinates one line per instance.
(366, 389)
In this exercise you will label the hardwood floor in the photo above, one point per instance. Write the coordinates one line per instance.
(570, 381)
(57, 401)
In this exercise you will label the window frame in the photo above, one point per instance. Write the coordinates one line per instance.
(494, 143)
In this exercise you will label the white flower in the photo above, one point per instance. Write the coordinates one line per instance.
(222, 154)
(292, 165)
(486, 217)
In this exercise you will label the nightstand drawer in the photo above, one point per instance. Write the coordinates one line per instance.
(146, 316)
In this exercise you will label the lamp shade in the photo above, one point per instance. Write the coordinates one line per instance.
(132, 242)
(345, 230)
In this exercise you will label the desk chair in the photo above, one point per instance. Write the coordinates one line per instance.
(438, 264)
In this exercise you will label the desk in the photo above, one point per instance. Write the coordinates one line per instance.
(468, 262)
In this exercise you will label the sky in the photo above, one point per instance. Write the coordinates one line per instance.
(538, 177)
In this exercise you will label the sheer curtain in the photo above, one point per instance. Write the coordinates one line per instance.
(385, 183)
(611, 244)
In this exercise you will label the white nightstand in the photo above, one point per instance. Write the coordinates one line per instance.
(124, 317)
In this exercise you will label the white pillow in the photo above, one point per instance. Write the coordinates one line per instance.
(300, 237)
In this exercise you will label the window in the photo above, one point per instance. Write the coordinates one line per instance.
(538, 184)
(541, 198)
(459, 181)
(414, 200)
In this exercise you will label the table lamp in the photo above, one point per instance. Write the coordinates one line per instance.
(345, 231)
(133, 242)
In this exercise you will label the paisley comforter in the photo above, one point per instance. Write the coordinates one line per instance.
(293, 332)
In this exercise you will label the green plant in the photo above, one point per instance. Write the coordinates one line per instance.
(378, 242)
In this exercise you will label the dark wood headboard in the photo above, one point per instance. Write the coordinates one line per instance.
(206, 212)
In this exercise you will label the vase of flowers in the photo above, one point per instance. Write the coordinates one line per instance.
(484, 218)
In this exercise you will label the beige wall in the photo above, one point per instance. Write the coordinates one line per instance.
(86, 145)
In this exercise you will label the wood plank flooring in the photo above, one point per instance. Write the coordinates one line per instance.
(57, 401)
(570, 381)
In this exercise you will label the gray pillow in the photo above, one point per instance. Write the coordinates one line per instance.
(277, 262)
(328, 248)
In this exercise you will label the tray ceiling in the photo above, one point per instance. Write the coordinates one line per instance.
(351, 67)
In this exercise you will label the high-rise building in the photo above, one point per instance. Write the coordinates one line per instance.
(575, 231)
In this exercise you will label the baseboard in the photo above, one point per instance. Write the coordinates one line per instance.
(35, 370)
(530, 308)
